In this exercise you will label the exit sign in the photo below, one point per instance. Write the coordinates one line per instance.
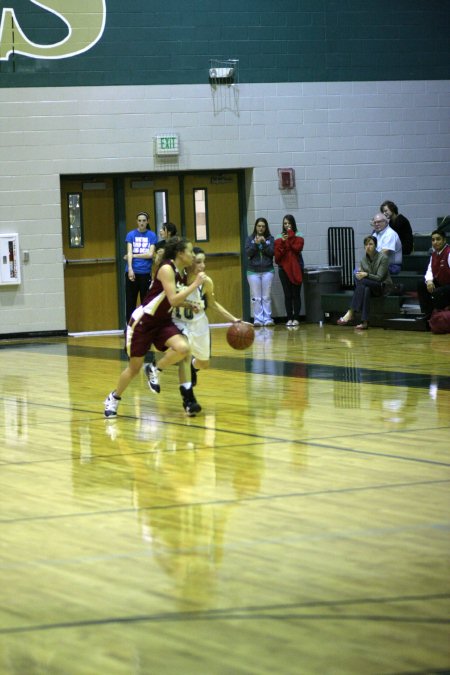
(167, 144)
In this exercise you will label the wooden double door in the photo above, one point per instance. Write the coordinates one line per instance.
(97, 212)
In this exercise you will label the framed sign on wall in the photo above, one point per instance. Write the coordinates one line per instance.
(9, 259)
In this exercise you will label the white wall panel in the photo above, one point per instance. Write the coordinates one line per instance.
(352, 145)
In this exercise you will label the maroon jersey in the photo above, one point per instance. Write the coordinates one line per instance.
(151, 322)
(155, 302)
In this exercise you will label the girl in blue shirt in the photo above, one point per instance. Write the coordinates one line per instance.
(140, 249)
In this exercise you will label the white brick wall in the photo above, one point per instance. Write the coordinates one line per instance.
(352, 145)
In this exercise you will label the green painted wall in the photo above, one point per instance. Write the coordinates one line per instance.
(172, 42)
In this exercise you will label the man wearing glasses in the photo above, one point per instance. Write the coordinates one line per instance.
(388, 242)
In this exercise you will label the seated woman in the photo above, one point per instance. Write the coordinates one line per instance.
(372, 280)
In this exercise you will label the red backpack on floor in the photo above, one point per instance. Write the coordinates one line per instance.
(440, 321)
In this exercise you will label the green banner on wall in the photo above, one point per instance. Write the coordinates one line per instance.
(111, 42)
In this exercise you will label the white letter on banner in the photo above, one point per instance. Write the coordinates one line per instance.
(85, 21)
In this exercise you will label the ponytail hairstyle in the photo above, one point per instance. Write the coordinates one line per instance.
(173, 246)
(170, 228)
(166, 252)
(158, 257)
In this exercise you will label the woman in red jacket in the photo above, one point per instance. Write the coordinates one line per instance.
(288, 247)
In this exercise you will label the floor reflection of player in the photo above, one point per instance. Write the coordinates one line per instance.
(187, 534)
(248, 471)
(293, 399)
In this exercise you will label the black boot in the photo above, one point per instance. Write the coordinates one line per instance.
(190, 405)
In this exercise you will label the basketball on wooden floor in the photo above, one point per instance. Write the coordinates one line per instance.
(240, 335)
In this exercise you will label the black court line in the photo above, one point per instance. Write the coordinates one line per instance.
(372, 453)
(250, 612)
(320, 442)
(221, 502)
(236, 615)
(428, 671)
(351, 375)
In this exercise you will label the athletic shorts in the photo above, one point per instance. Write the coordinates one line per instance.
(199, 337)
(141, 335)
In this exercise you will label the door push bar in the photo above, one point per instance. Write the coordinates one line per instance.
(89, 261)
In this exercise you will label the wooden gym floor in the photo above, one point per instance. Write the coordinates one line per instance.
(299, 524)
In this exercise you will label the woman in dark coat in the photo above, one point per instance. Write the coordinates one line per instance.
(399, 224)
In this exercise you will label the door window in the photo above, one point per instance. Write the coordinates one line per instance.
(161, 208)
(201, 214)
(75, 219)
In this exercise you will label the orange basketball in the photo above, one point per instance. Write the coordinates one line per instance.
(240, 335)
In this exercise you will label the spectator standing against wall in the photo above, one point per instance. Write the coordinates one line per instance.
(140, 249)
(288, 248)
(399, 224)
(259, 249)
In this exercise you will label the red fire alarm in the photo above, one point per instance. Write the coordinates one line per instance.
(286, 179)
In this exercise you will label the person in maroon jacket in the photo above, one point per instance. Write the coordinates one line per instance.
(288, 248)
(434, 289)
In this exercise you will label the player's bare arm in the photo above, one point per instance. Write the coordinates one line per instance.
(208, 290)
(167, 277)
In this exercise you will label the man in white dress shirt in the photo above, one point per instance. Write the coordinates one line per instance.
(388, 242)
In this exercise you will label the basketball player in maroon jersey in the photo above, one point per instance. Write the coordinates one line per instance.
(151, 323)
